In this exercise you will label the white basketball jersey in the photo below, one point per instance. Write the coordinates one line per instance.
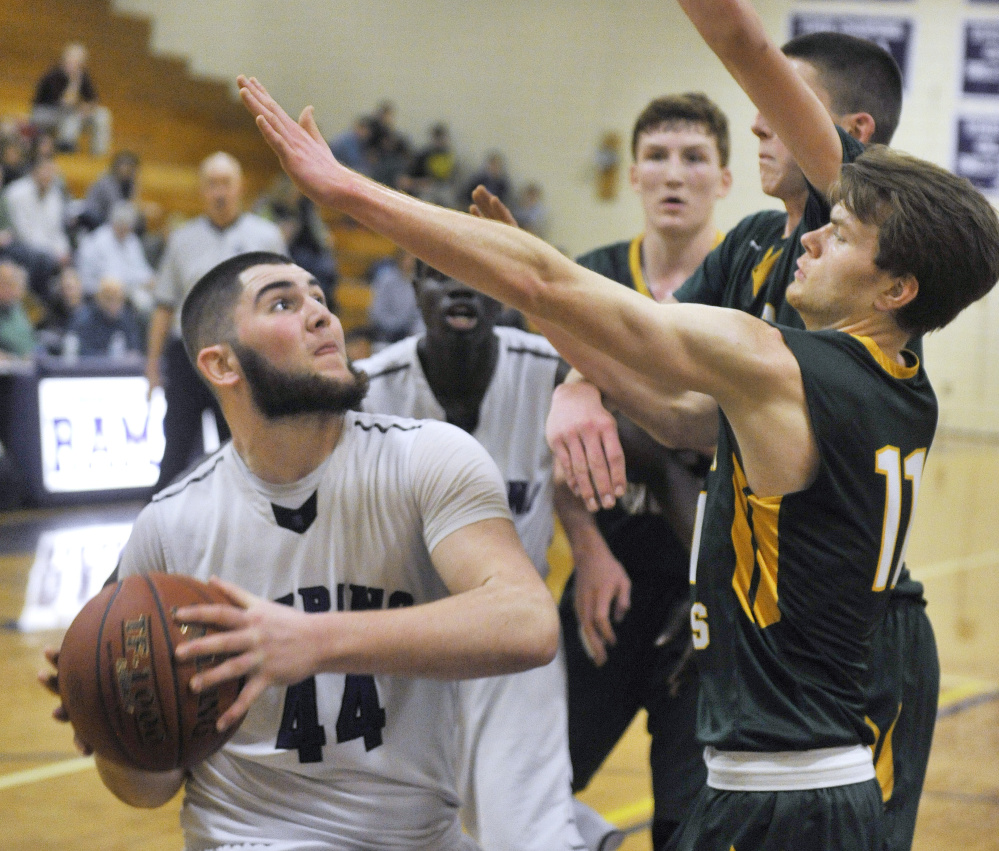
(336, 761)
(511, 420)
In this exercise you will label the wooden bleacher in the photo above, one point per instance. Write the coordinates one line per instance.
(171, 118)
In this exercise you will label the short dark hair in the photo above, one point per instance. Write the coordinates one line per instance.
(859, 75)
(206, 317)
(931, 224)
(687, 108)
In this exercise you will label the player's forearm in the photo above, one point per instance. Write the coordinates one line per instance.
(138, 788)
(580, 527)
(486, 631)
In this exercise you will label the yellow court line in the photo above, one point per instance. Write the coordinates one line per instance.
(46, 772)
(629, 815)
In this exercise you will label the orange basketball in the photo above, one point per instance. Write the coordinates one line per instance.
(124, 693)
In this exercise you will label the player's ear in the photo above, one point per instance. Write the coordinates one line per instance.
(219, 365)
(633, 176)
(903, 290)
(860, 125)
(726, 182)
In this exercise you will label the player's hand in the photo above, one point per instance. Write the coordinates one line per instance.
(486, 205)
(583, 437)
(263, 642)
(49, 678)
(304, 153)
(603, 597)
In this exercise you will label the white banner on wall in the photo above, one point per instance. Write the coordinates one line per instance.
(99, 433)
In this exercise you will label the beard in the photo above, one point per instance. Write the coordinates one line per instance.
(287, 394)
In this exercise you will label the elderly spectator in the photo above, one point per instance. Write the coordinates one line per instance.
(107, 327)
(191, 250)
(115, 251)
(66, 102)
(36, 207)
(17, 335)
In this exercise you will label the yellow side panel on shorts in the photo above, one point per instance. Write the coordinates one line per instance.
(884, 759)
(756, 545)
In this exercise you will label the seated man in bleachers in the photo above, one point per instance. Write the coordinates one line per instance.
(107, 326)
(66, 102)
(17, 335)
(115, 251)
(36, 209)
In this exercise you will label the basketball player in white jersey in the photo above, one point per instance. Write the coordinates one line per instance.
(370, 561)
(496, 383)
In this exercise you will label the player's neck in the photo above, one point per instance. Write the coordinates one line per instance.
(459, 376)
(284, 450)
(669, 258)
(878, 327)
(795, 210)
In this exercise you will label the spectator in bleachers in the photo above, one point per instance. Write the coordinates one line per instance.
(64, 301)
(14, 161)
(115, 251)
(309, 242)
(390, 148)
(118, 183)
(530, 210)
(353, 146)
(433, 172)
(66, 102)
(17, 334)
(107, 326)
(492, 174)
(393, 312)
(36, 208)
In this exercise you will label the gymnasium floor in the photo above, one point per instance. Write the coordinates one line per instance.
(52, 799)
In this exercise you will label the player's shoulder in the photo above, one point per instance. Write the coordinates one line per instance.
(200, 477)
(395, 439)
(392, 360)
(188, 230)
(760, 223)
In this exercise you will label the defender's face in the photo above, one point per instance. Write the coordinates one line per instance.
(678, 175)
(452, 311)
(282, 315)
(837, 280)
(780, 176)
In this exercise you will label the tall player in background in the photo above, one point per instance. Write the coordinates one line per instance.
(623, 612)
(496, 383)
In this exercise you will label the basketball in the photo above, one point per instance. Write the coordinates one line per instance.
(124, 693)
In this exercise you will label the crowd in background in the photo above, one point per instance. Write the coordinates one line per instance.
(77, 274)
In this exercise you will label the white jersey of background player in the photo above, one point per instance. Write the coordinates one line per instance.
(355, 540)
(496, 382)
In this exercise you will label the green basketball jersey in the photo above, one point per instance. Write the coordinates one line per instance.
(753, 267)
(788, 590)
